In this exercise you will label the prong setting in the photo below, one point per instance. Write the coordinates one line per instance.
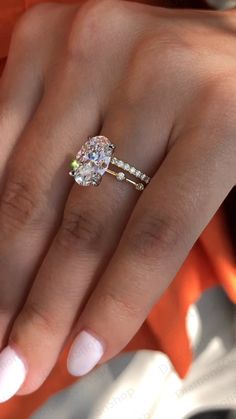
(97, 180)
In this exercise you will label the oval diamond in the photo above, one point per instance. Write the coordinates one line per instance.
(94, 158)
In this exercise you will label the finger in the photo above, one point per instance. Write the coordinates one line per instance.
(20, 92)
(28, 68)
(93, 222)
(21, 88)
(31, 204)
(168, 219)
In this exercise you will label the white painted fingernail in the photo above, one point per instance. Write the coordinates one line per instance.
(85, 353)
(12, 373)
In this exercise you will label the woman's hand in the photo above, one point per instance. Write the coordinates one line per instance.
(161, 84)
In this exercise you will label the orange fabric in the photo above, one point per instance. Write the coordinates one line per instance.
(210, 262)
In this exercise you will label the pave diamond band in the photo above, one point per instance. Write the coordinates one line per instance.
(131, 169)
(94, 159)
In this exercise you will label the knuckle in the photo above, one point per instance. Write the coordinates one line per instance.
(154, 235)
(31, 25)
(151, 66)
(92, 28)
(28, 23)
(80, 229)
(222, 91)
(145, 51)
(17, 205)
(119, 305)
(33, 315)
(141, 75)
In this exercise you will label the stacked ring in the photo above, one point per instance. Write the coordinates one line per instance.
(94, 159)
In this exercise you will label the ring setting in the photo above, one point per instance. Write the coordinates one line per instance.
(94, 159)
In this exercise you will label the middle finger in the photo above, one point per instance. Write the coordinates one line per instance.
(31, 204)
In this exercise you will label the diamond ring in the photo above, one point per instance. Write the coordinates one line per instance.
(94, 159)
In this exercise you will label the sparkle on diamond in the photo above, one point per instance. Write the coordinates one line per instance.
(94, 158)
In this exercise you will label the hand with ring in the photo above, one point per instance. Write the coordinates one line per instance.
(140, 101)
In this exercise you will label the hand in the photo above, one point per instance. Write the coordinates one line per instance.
(161, 85)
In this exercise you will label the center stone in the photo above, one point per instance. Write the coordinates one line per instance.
(93, 160)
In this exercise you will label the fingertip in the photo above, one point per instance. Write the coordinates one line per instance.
(12, 373)
(85, 353)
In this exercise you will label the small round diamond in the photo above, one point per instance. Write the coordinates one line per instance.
(120, 176)
(120, 164)
(147, 179)
(138, 173)
(140, 187)
(132, 170)
(143, 176)
(127, 167)
(114, 160)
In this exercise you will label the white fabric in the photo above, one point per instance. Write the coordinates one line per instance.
(144, 385)
(222, 4)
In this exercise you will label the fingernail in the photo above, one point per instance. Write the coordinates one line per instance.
(12, 373)
(85, 353)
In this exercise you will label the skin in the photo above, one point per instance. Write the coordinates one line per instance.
(161, 84)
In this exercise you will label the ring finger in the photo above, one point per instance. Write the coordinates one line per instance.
(93, 223)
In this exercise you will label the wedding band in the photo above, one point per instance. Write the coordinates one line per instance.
(94, 159)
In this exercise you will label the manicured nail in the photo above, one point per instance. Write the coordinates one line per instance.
(12, 373)
(85, 353)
